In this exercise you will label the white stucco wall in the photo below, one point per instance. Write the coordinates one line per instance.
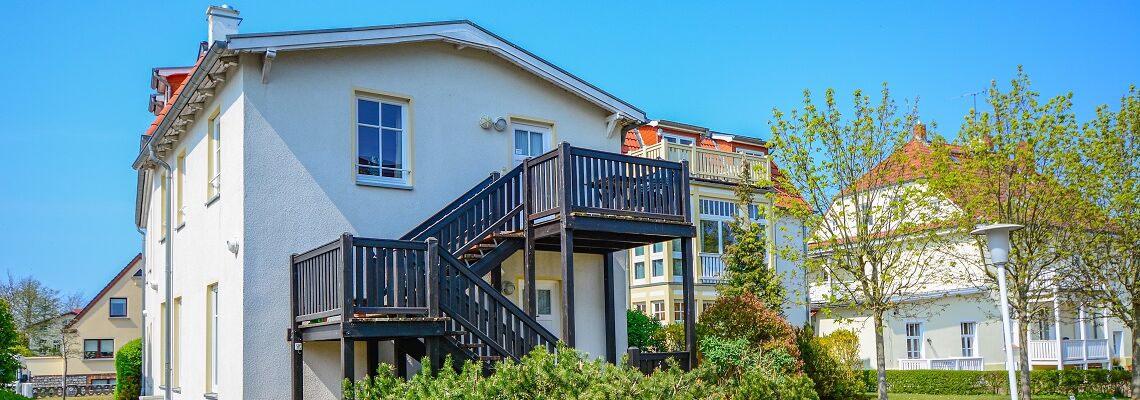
(200, 254)
(299, 186)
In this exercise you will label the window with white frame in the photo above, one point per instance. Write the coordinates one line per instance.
(750, 152)
(678, 267)
(212, 337)
(716, 215)
(658, 310)
(381, 141)
(98, 348)
(639, 270)
(640, 306)
(118, 307)
(530, 141)
(969, 339)
(677, 139)
(678, 311)
(658, 267)
(1097, 325)
(214, 163)
(914, 340)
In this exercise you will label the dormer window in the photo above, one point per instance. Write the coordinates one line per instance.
(675, 139)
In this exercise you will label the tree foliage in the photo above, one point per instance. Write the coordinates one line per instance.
(746, 317)
(641, 330)
(1104, 168)
(871, 222)
(1003, 168)
(747, 262)
(9, 344)
(128, 371)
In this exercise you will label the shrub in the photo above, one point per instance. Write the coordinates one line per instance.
(728, 357)
(641, 330)
(128, 371)
(570, 374)
(744, 316)
(829, 365)
(1042, 382)
(670, 337)
(6, 395)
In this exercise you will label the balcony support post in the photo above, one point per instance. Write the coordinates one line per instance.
(609, 303)
(1057, 329)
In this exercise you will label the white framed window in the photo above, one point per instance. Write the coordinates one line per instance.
(214, 163)
(530, 141)
(180, 190)
(640, 306)
(914, 340)
(118, 307)
(658, 310)
(381, 141)
(678, 311)
(750, 152)
(639, 270)
(716, 215)
(678, 267)
(212, 319)
(969, 339)
(658, 268)
(677, 139)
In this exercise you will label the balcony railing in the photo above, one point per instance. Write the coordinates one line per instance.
(952, 363)
(707, 163)
(712, 268)
(1070, 351)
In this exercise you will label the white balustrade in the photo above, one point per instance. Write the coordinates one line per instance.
(951, 363)
(706, 163)
(712, 268)
(1079, 351)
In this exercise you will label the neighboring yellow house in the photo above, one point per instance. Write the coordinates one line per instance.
(110, 320)
(715, 160)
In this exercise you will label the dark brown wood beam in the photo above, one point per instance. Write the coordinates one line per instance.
(611, 319)
(568, 287)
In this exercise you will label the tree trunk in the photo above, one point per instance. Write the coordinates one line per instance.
(880, 356)
(1135, 351)
(1023, 355)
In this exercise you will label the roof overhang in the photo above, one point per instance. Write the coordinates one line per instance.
(460, 33)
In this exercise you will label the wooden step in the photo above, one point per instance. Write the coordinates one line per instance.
(472, 346)
(454, 333)
(471, 257)
(490, 358)
(511, 234)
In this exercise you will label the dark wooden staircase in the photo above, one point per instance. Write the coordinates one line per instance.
(427, 291)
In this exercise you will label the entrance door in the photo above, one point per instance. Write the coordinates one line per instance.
(530, 141)
(548, 305)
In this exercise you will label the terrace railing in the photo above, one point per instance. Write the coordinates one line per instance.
(706, 163)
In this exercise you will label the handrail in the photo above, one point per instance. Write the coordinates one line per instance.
(537, 335)
(705, 162)
(451, 207)
(489, 208)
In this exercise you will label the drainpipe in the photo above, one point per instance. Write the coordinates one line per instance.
(168, 320)
(806, 285)
(142, 326)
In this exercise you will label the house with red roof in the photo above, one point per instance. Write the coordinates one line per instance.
(715, 160)
(950, 318)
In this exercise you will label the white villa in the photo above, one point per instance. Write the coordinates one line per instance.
(344, 197)
(957, 325)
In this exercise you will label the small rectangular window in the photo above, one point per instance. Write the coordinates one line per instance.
(969, 338)
(678, 311)
(678, 267)
(639, 251)
(98, 348)
(659, 310)
(212, 338)
(381, 141)
(681, 140)
(640, 306)
(658, 247)
(658, 268)
(214, 161)
(542, 301)
(914, 340)
(180, 189)
(639, 270)
(118, 307)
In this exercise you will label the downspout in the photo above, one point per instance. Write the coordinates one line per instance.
(142, 326)
(806, 285)
(168, 319)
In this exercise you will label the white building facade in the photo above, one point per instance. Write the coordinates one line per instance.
(281, 142)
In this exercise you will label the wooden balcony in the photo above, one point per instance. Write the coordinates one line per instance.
(950, 363)
(1052, 352)
(707, 164)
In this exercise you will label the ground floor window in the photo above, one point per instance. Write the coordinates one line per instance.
(969, 338)
(640, 307)
(678, 311)
(96, 382)
(98, 348)
(659, 310)
(914, 340)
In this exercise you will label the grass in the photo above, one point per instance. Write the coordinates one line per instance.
(107, 397)
(907, 396)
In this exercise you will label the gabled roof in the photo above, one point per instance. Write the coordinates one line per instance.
(461, 33)
(124, 273)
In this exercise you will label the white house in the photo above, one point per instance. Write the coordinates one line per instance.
(953, 320)
(288, 150)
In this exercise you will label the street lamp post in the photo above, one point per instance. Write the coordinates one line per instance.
(997, 239)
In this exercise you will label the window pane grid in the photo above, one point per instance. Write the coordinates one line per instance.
(380, 140)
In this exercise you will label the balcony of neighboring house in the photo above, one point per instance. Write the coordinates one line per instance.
(949, 363)
(705, 163)
(712, 268)
(1075, 335)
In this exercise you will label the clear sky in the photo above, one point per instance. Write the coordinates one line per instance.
(74, 80)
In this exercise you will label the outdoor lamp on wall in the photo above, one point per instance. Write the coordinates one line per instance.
(997, 239)
(508, 288)
(499, 124)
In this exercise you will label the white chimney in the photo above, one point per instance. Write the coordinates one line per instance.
(221, 20)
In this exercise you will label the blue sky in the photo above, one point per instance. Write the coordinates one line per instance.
(75, 80)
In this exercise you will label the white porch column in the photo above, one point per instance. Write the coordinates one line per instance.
(1081, 320)
(1057, 330)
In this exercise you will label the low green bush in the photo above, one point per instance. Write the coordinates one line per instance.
(6, 395)
(571, 374)
(642, 330)
(746, 317)
(829, 362)
(1042, 382)
(128, 370)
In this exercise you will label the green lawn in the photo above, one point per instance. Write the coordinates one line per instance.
(907, 396)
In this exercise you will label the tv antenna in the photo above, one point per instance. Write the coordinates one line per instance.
(973, 94)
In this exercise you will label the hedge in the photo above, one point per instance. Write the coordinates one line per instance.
(1041, 382)
(6, 395)
(128, 370)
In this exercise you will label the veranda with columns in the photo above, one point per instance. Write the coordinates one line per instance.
(1075, 336)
